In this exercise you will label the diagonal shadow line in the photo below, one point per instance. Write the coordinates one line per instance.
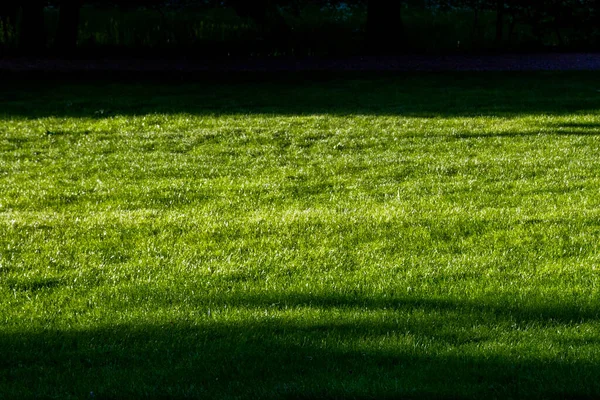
(512, 134)
(576, 125)
(539, 311)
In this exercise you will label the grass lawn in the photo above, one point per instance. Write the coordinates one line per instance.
(359, 236)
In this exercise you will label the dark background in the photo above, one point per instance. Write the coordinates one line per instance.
(211, 29)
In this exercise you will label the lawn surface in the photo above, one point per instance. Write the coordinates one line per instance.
(417, 235)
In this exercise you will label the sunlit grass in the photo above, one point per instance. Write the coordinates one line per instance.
(361, 239)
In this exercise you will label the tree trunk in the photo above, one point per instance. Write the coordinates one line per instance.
(511, 29)
(8, 19)
(385, 32)
(475, 34)
(68, 26)
(499, 23)
(32, 36)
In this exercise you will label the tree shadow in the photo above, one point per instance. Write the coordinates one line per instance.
(578, 125)
(412, 356)
(512, 134)
(419, 354)
(32, 285)
(543, 129)
(405, 94)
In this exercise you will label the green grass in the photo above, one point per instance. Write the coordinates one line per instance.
(419, 236)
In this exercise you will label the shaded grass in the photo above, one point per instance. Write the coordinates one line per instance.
(408, 94)
(419, 236)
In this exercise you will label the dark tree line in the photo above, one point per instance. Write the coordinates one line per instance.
(542, 16)
(384, 23)
(384, 27)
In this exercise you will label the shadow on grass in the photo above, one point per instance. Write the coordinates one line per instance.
(546, 132)
(32, 285)
(435, 349)
(375, 347)
(542, 312)
(405, 94)
(578, 125)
